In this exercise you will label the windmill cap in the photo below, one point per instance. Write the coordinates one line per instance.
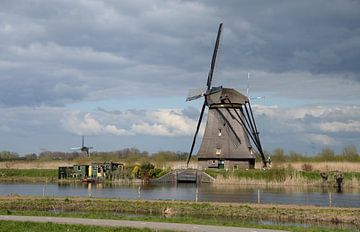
(227, 95)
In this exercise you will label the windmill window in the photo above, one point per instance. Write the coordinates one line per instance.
(218, 151)
(78, 168)
(219, 134)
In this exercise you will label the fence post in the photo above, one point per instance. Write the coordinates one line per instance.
(139, 192)
(196, 194)
(330, 199)
(258, 196)
(43, 191)
(44, 188)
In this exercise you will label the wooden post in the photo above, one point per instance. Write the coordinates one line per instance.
(139, 192)
(44, 188)
(330, 199)
(44, 191)
(258, 196)
(197, 194)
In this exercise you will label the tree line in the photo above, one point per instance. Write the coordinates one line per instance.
(134, 155)
(349, 153)
(128, 155)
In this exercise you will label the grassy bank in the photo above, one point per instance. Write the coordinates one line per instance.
(282, 177)
(6, 226)
(211, 213)
(277, 176)
(28, 175)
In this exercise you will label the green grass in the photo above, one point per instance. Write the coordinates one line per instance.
(242, 215)
(186, 219)
(28, 175)
(7, 226)
(49, 173)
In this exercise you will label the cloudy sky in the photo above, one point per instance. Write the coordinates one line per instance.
(118, 72)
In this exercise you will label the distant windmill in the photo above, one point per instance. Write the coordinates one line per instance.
(83, 148)
(229, 128)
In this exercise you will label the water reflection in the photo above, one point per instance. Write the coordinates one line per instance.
(186, 191)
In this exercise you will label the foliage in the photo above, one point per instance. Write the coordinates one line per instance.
(349, 153)
(8, 155)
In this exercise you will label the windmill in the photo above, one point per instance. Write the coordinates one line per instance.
(230, 125)
(83, 148)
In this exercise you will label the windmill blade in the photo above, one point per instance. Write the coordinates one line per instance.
(195, 94)
(90, 147)
(76, 148)
(213, 60)
(196, 132)
(82, 144)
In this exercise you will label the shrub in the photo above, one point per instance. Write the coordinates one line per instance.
(307, 167)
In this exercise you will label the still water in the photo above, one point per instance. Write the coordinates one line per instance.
(192, 192)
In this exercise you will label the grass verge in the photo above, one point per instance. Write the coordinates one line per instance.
(243, 215)
(6, 226)
(28, 175)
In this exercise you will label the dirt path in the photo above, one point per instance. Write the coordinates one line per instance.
(134, 224)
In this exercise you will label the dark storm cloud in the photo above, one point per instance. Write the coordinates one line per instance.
(116, 48)
(316, 36)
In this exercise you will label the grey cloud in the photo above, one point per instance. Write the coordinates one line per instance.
(116, 48)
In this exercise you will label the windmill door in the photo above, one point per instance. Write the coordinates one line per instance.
(221, 164)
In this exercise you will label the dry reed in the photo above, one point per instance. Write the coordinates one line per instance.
(295, 179)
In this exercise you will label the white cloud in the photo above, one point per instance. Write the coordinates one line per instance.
(153, 129)
(321, 139)
(88, 125)
(175, 122)
(162, 122)
(349, 126)
(112, 129)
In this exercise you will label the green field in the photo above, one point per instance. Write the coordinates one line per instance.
(31, 175)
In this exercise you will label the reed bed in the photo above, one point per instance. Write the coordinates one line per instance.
(282, 177)
(34, 164)
(323, 166)
(289, 181)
